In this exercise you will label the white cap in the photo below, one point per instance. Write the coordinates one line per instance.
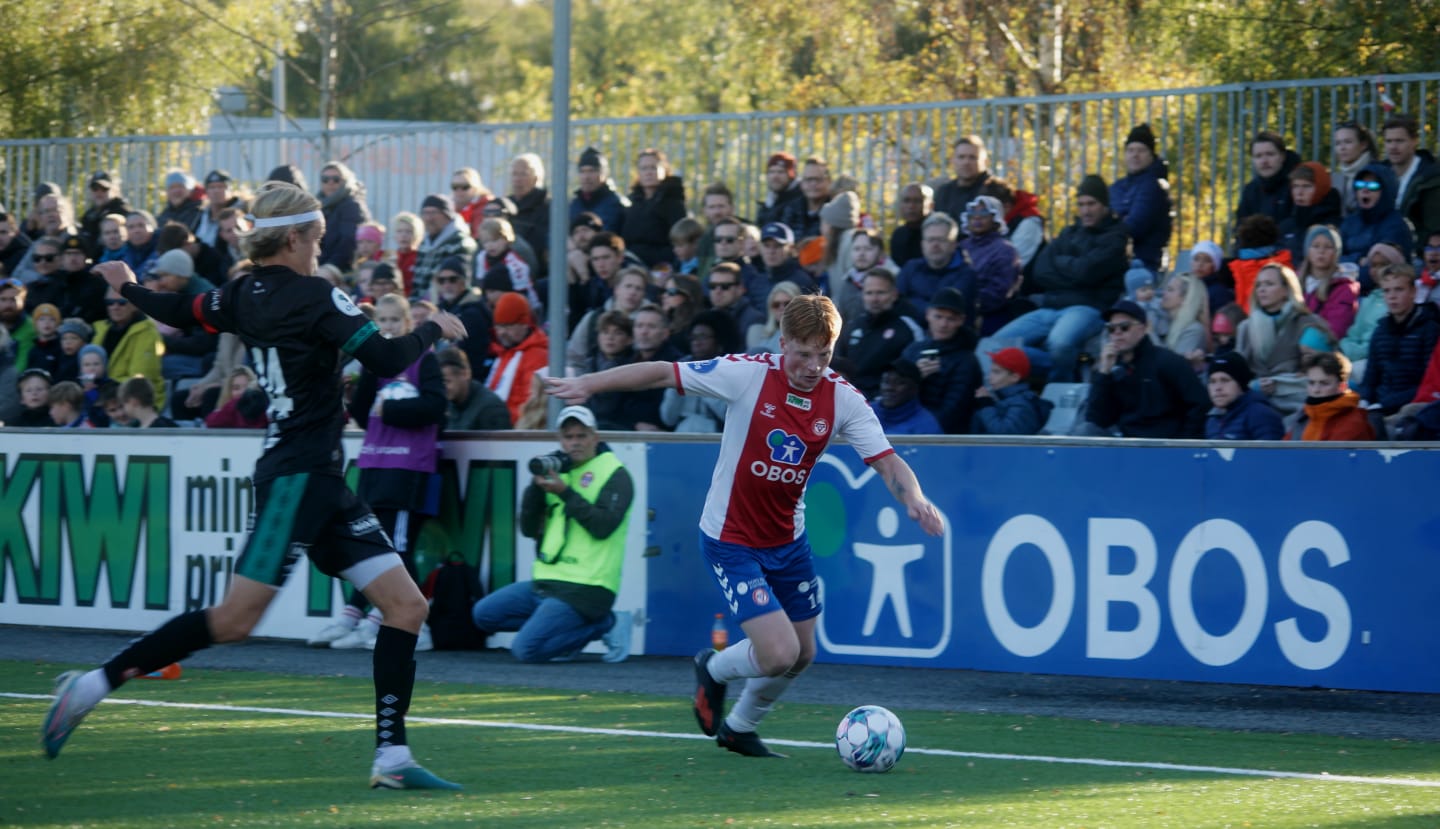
(580, 413)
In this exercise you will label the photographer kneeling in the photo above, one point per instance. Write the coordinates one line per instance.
(577, 509)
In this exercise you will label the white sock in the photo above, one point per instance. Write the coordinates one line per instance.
(735, 662)
(350, 616)
(393, 757)
(91, 688)
(759, 697)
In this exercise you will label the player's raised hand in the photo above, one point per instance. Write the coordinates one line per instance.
(569, 389)
(451, 326)
(116, 274)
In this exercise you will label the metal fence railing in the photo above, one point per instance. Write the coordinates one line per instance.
(1042, 144)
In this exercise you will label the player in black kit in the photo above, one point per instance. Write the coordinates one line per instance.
(299, 331)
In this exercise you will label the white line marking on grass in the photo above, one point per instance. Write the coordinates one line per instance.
(669, 735)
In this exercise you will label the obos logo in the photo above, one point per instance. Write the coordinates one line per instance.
(888, 585)
(705, 367)
(787, 451)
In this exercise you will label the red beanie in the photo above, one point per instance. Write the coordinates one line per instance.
(512, 309)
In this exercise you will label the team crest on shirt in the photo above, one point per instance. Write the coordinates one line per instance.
(705, 367)
(587, 479)
(820, 426)
(801, 403)
(760, 597)
(343, 303)
(785, 448)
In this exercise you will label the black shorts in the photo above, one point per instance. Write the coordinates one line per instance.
(316, 516)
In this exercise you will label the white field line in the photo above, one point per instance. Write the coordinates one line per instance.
(668, 735)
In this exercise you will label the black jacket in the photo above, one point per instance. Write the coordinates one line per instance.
(1084, 265)
(532, 223)
(1270, 196)
(952, 196)
(949, 393)
(1155, 396)
(90, 224)
(648, 220)
(767, 213)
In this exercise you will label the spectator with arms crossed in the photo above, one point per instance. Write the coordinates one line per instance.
(752, 528)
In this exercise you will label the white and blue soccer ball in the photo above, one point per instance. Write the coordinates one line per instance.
(870, 739)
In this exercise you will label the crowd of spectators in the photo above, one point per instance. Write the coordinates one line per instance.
(1316, 319)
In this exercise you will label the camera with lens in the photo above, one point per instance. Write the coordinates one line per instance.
(551, 464)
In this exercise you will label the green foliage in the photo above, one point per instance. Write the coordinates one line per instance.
(126, 66)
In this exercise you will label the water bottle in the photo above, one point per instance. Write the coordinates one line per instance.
(719, 636)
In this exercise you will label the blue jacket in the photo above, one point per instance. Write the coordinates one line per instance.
(918, 282)
(1013, 410)
(1399, 353)
(1363, 229)
(605, 203)
(949, 393)
(907, 419)
(1248, 418)
(1142, 202)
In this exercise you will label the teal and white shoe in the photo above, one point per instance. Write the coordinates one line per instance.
(408, 777)
(65, 713)
(617, 639)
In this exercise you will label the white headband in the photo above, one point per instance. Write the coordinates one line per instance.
(282, 221)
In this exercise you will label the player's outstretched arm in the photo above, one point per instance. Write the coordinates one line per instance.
(633, 377)
(903, 484)
(174, 310)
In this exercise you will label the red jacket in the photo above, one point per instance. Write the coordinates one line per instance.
(1338, 419)
(1245, 271)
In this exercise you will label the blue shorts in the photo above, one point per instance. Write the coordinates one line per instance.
(755, 580)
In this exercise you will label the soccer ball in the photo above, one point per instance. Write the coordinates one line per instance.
(870, 739)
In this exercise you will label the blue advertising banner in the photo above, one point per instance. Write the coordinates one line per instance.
(1300, 567)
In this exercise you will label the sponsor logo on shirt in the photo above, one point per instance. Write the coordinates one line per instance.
(785, 448)
(705, 367)
(801, 403)
(767, 410)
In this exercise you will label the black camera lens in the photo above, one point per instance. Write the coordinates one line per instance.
(551, 464)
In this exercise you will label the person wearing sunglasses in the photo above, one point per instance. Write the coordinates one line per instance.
(470, 195)
(1375, 220)
(342, 200)
(64, 280)
(1139, 389)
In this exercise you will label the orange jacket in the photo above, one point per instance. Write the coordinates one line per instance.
(1338, 419)
(1245, 271)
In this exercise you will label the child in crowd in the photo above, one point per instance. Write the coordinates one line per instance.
(1332, 409)
(1428, 281)
(685, 243)
(1239, 413)
(1140, 289)
(369, 242)
(614, 346)
(67, 406)
(46, 352)
(137, 398)
(75, 333)
(497, 237)
(34, 385)
(108, 402)
(94, 376)
(1006, 405)
(1223, 327)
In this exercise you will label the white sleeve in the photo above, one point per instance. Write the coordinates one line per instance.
(858, 424)
(724, 377)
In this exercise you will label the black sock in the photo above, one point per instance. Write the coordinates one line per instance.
(394, 669)
(171, 642)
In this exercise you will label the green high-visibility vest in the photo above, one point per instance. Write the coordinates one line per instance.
(569, 553)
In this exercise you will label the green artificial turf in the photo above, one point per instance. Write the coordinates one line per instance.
(154, 766)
